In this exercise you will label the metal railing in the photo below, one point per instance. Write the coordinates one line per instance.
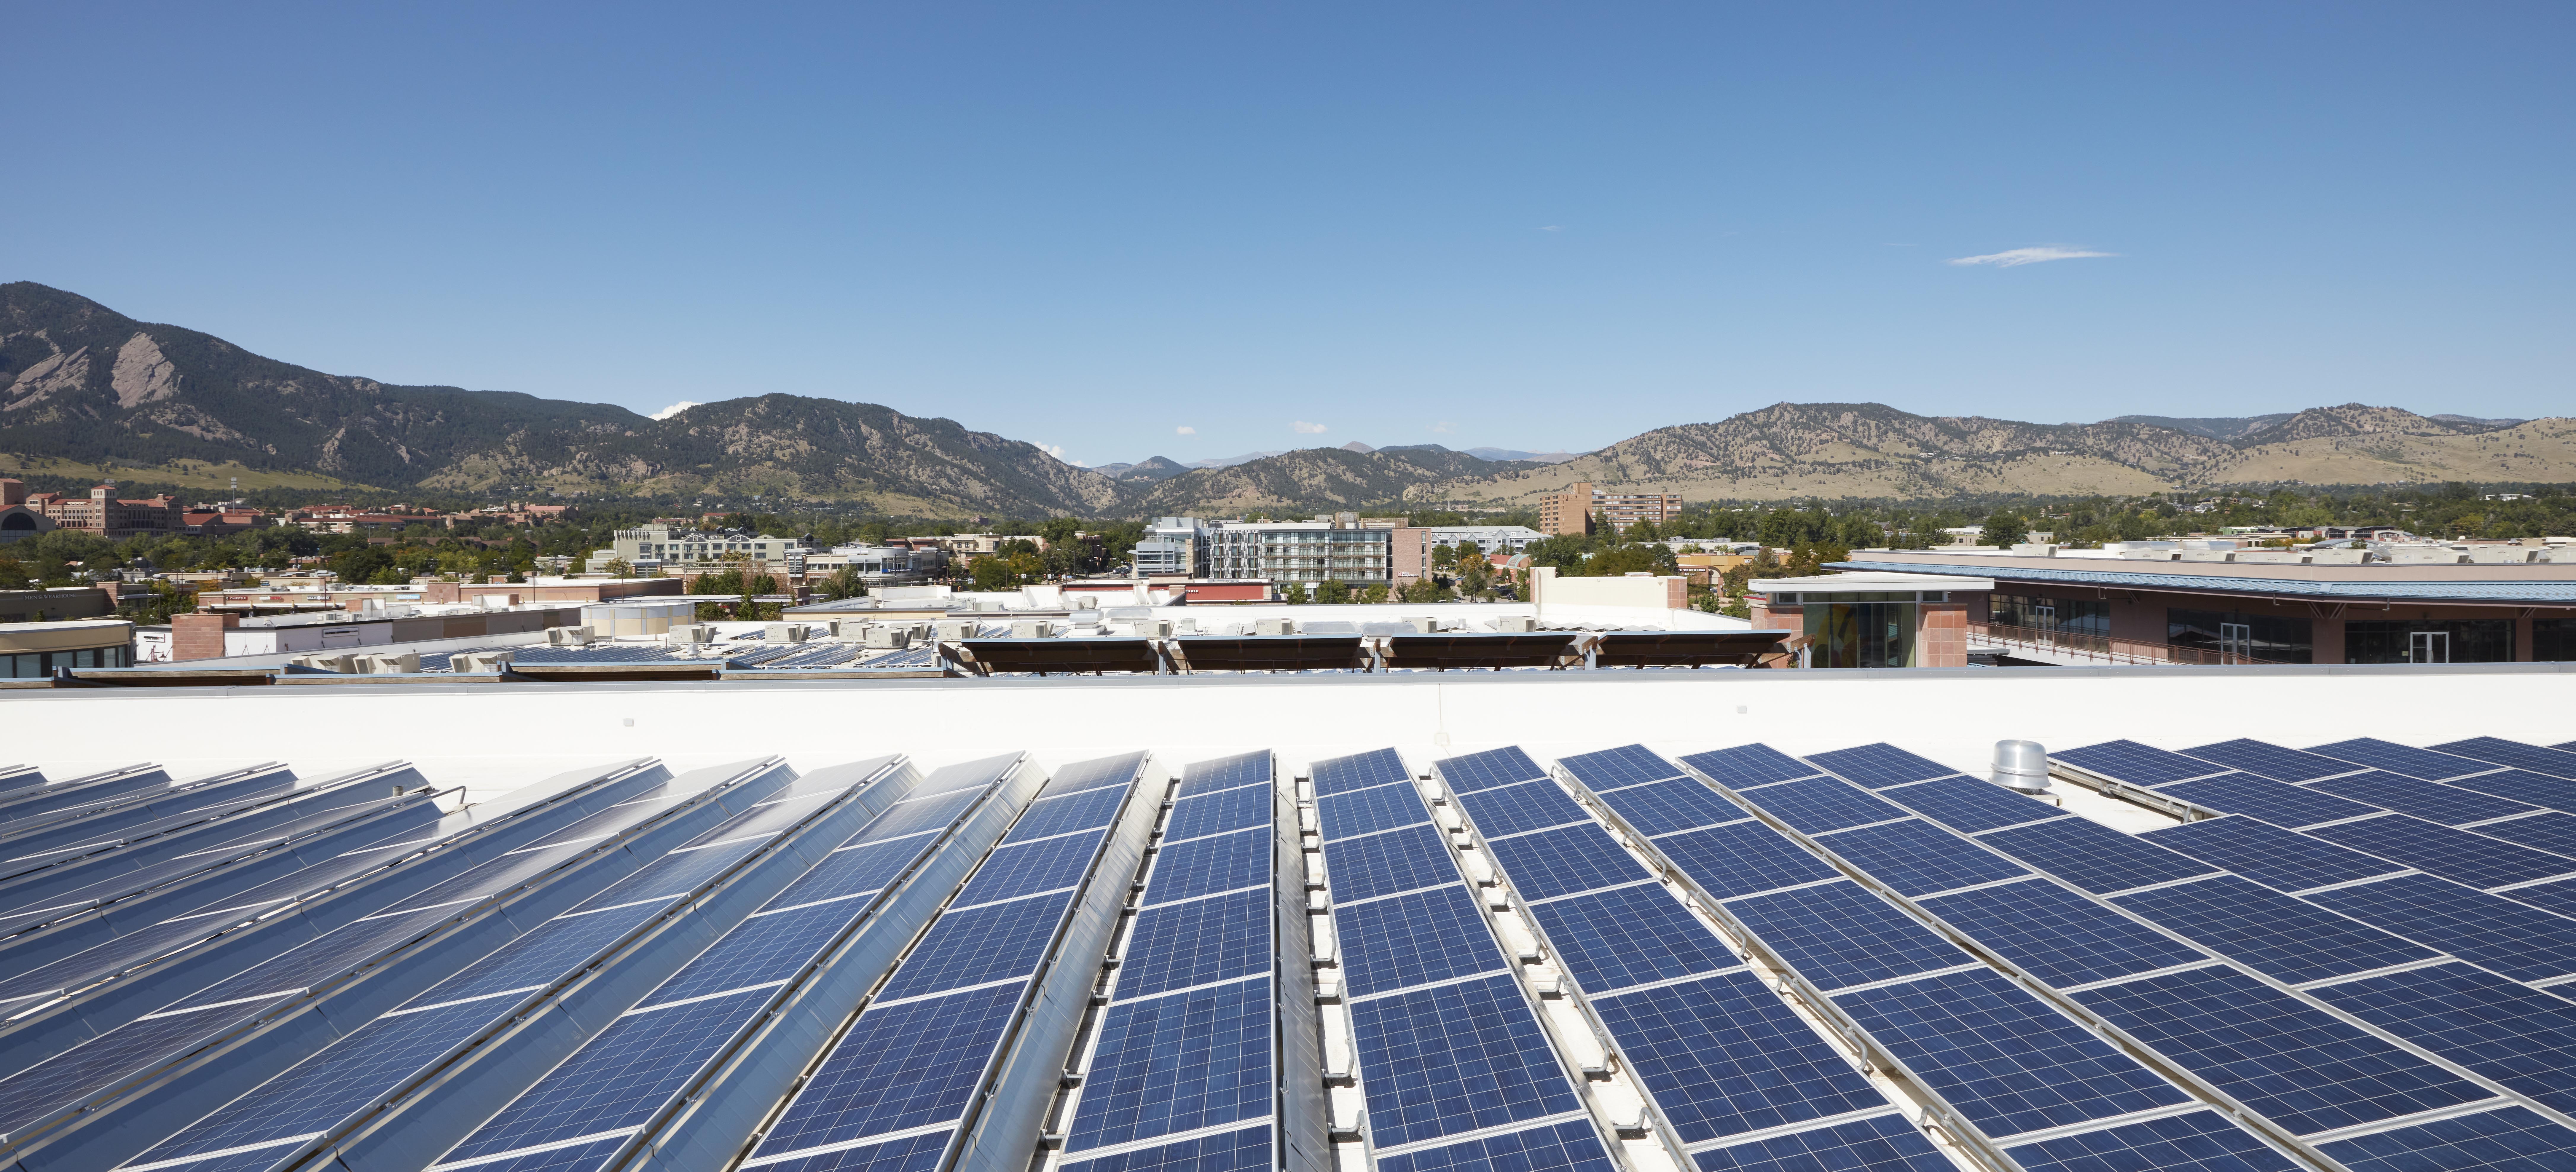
(2087, 645)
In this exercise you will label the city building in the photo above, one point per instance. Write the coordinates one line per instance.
(34, 650)
(2205, 602)
(57, 602)
(1326, 549)
(1413, 547)
(1872, 619)
(1173, 547)
(268, 599)
(221, 520)
(20, 519)
(661, 547)
(1573, 511)
(104, 514)
(879, 566)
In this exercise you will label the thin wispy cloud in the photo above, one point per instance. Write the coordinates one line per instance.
(1444, 427)
(1551, 227)
(1305, 428)
(673, 409)
(1185, 430)
(2018, 257)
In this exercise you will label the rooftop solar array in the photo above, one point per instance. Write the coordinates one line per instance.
(2357, 956)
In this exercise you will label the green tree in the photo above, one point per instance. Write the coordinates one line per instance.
(1374, 592)
(2004, 530)
(1333, 591)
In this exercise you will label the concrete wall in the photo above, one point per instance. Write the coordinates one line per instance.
(1551, 589)
(521, 732)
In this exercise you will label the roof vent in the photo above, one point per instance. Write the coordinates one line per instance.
(2021, 766)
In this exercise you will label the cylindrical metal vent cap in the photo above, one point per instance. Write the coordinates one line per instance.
(2021, 766)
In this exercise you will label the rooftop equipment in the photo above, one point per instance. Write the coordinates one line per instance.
(2021, 766)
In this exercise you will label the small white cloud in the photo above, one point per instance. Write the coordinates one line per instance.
(673, 409)
(1057, 451)
(1551, 227)
(1185, 430)
(1305, 428)
(2028, 256)
(1444, 427)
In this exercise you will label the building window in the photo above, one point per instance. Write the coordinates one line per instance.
(2553, 640)
(1860, 634)
(2428, 641)
(2231, 634)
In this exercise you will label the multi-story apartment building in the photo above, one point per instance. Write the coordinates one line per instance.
(656, 547)
(1326, 549)
(103, 514)
(1174, 547)
(1570, 513)
(879, 565)
(1413, 545)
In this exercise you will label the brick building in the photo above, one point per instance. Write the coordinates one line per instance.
(1570, 513)
(104, 514)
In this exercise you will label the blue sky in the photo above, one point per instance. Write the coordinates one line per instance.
(1094, 226)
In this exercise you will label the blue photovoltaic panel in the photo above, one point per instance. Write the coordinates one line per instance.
(1205, 866)
(1838, 935)
(2058, 936)
(1558, 862)
(1878, 766)
(2200, 1141)
(1968, 805)
(1413, 940)
(1117, 772)
(1486, 770)
(2276, 802)
(1179, 945)
(1572, 1146)
(2553, 832)
(1178, 1063)
(1454, 1058)
(1612, 768)
(1366, 811)
(1044, 865)
(1821, 804)
(2505, 1030)
(1246, 1150)
(1528, 805)
(2514, 1139)
(1047, 817)
(2423, 764)
(976, 945)
(1918, 858)
(2515, 939)
(900, 1066)
(2093, 856)
(2268, 854)
(2466, 856)
(1213, 812)
(2134, 763)
(2264, 759)
(1724, 1055)
(1742, 858)
(1357, 771)
(1201, 777)
(2006, 1061)
(1750, 765)
(1383, 864)
(1628, 936)
(2306, 1069)
(2290, 941)
(2448, 805)
(2521, 785)
(2559, 897)
(1666, 806)
(2496, 751)
(1885, 1143)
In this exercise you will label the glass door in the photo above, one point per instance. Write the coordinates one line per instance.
(2043, 622)
(2235, 642)
(2428, 647)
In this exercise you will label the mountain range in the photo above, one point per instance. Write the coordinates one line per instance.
(86, 392)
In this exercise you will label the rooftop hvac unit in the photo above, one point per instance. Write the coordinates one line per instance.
(1031, 629)
(393, 663)
(326, 661)
(784, 633)
(889, 635)
(689, 633)
(1274, 626)
(570, 636)
(1517, 622)
(2021, 766)
(955, 629)
(479, 661)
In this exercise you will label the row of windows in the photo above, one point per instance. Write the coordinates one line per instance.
(37, 665)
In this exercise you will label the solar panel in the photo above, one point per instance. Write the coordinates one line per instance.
(2093, 856)
(2134, 763)
(1967, 805)
(1382, 864)
(2515, 939)
(1666, 806)
(1196, 942)
(2277, 802)
(2290, 941)
(1628, 936)
(1485, 770)
(2509, 1139)
(1839, 934)
(1749, 765)
(2468, 857)
(2306, 1069)
(1821, 804)
(1452, 1058)
(1181, 1062)
(2264, 759)
(2007, 1062)
(2422, 764)
(2058, 936)
(2496, 751)
(1228, 860)
(1917, 858)
(2554, 793)
(1368, 811)
(1742, 858)
(1358, 771)
(1243, 1150)
(1550, 863)
(2198, 1141)
(1612, 768)
(1883, 1143)
(2269, 855)
(1558, 1147)
(1522, 806)
(1416, 939)
(1216, 811)
(2448, 805)
(2507, 1031)
(2559, 897)
(1875, 766)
